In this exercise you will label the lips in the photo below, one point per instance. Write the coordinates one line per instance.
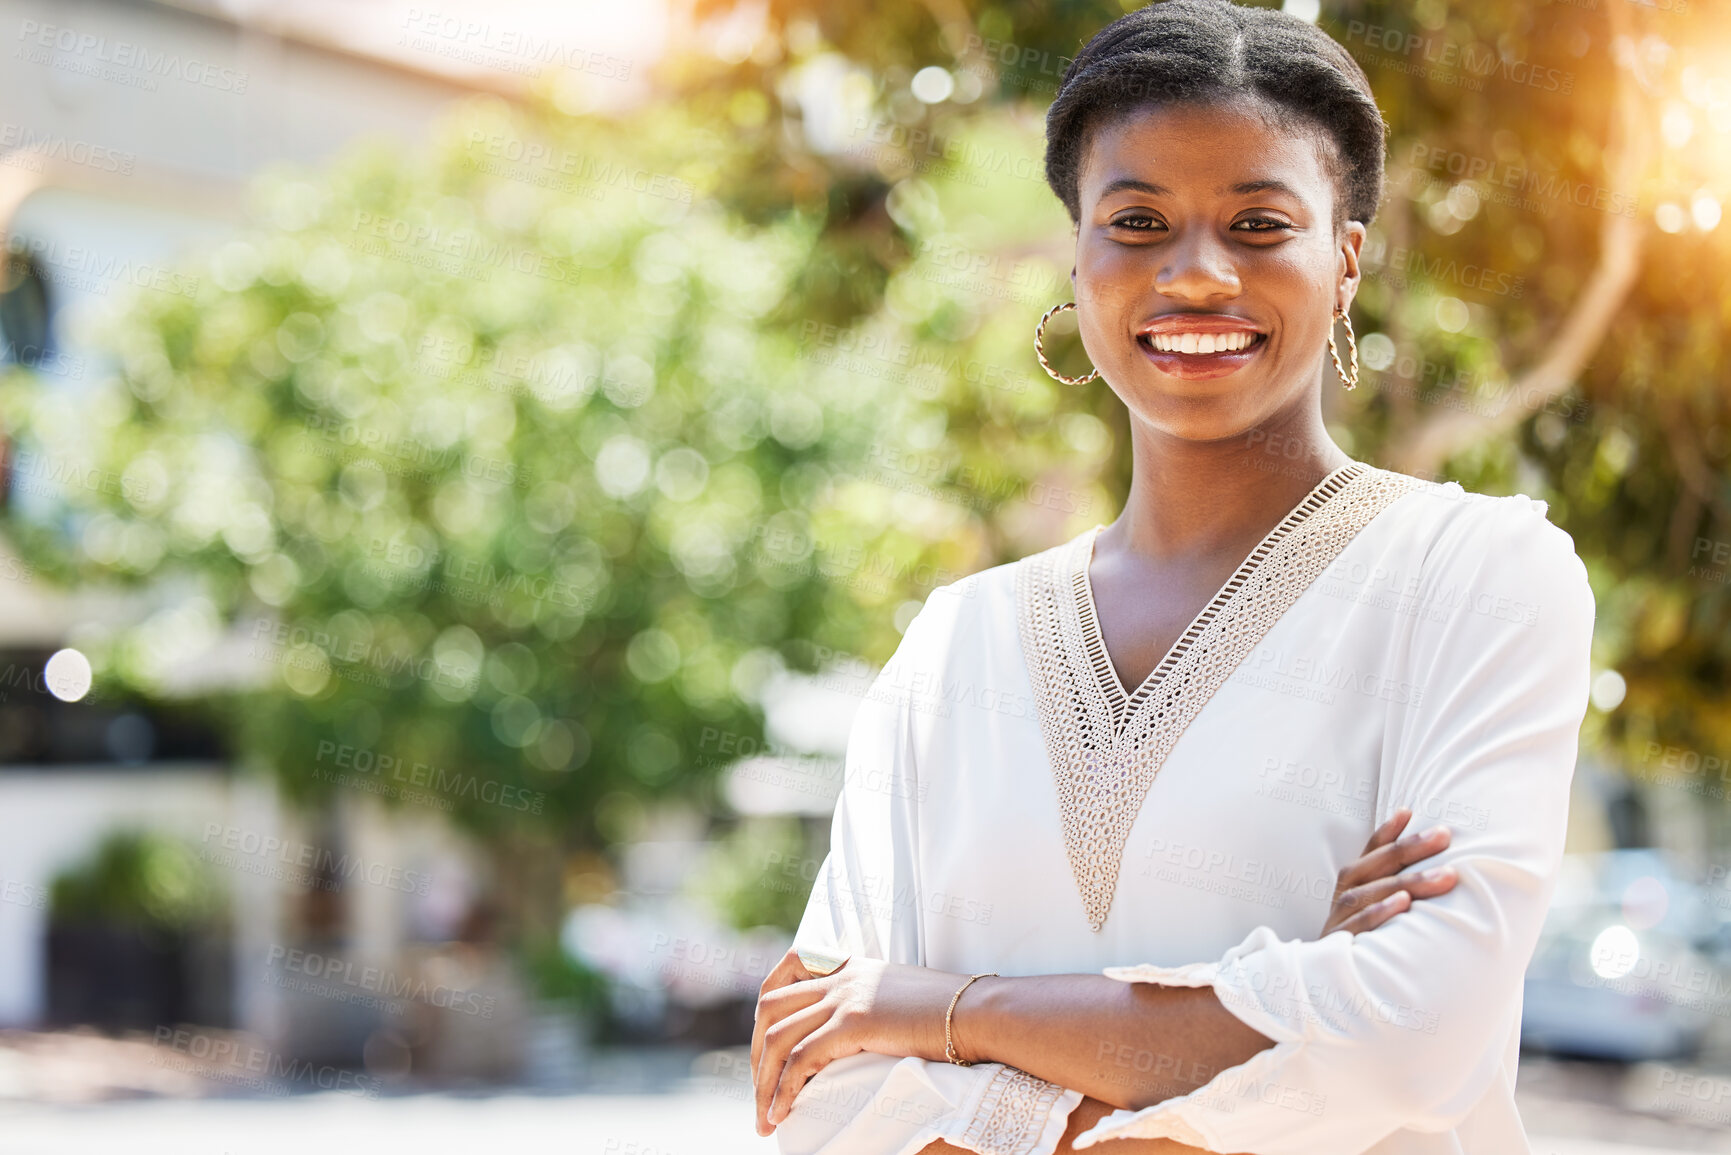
(1200, 345)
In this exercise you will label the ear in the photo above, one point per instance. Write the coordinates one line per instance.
(1347, 275)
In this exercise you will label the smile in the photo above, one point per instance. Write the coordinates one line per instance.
(1200, 345)
(1203, 343)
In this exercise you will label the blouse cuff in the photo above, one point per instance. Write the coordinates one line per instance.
(900, 1106)
(1016, 1114)
(1185, 1118)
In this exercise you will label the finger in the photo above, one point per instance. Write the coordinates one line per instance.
(1426, 883)
(1419, 884)
(1411, 848)
(814, 1052)
(1389, 830)
(778, 1041)
(778, 977)
(1375, 915)
(1380, 855)
(785, 973)
(776, 1008)
(1396, 856)
(1355, 900)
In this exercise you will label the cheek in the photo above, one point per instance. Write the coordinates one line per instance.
(1107, 277)
(1291, 270)
(1300, 288)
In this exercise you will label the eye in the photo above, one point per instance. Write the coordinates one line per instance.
(1148, 222)
(1263, 224)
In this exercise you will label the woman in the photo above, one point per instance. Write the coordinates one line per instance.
(1140, 875)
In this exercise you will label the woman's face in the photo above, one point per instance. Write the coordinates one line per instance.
(1202, 225)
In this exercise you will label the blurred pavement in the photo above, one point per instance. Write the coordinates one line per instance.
(649, 1102)
(688, 1122)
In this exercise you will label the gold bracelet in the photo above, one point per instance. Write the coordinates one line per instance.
(949, 1039)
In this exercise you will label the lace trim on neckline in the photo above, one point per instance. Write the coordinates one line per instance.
(1095, 640)
(1106, 750)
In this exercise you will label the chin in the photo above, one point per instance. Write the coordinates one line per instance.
(1198, 411)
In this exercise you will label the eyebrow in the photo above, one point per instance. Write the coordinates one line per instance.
(1131, 184)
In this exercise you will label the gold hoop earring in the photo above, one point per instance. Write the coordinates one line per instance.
(1040, 351)
(1352, 351)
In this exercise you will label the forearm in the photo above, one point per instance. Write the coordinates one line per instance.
(1087, 1113)
(1129, 1045)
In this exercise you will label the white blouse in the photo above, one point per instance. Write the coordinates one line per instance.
(1008, 807)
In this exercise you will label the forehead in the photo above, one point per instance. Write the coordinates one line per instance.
(1206, 149)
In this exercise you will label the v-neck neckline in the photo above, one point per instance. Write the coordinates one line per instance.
(1124, 702)
(1106, 749)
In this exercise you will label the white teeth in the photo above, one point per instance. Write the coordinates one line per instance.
(1201, 342)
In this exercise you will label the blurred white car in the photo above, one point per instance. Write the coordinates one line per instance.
(1626, 966)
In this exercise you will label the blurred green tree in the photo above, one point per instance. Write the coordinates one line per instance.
(139, 878)
(516, 467)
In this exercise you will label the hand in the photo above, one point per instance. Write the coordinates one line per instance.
(1371, 889)
(804, 1023)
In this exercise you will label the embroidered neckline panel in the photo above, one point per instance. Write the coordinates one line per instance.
(1105, 745)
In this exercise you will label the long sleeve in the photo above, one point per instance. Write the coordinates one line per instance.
(1406, 1026)
(866, 903)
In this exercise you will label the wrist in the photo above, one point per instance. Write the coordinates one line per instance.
(971, 1017)
(929, 1033)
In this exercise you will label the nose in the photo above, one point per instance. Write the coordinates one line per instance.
(1195, 265)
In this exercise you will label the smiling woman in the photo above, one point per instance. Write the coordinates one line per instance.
(1109, 809)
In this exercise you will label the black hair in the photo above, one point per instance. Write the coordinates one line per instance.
(1206, 51)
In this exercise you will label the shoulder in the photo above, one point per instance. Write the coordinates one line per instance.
(973, 610)
(1482, 547)
(961, 607)
(1456, 523)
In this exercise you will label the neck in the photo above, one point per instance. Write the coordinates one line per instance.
(1194, 498)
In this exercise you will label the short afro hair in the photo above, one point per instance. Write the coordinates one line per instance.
(1205, 51)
